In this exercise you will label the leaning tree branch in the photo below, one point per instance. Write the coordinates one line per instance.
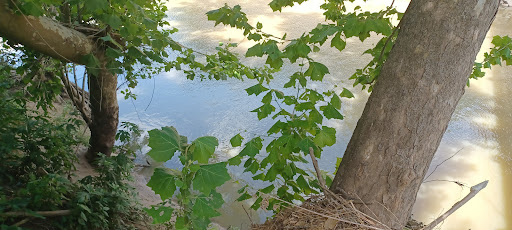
(473, 191)
(44, 35)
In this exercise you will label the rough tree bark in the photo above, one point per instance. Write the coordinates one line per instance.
(104, 110)
(49, 37)
(411, 104)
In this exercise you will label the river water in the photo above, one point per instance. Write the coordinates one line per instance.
(478, 139)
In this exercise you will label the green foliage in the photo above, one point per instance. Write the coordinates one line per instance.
(105, 201)
(131, 139)
(36, 159)
(500, 53)
(32, 143)
(194, 187)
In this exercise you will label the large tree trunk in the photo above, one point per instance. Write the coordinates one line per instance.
(411, 104)
(104, 110)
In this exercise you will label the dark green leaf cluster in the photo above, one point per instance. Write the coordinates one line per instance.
(105, 201)
(194, 187)
(30, 142)
(36, 161)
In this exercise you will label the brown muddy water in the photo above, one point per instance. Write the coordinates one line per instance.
(479, 136)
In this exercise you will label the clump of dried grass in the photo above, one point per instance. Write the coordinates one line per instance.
(322, 212)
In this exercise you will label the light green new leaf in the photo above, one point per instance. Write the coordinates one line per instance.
(338, 162)
(162, 183)
(160, 214)
(236, 140)
(209, 177)
(316, 71)
(164, 143)
(346, 93)
(203, 148)
(325, 137)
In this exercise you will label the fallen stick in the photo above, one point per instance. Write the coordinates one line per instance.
(472, 192)
(41, 213)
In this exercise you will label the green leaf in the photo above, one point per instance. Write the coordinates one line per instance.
(112, 20)
(325, 137)
(162, 183)
(164, 143)
(203, 148)
(160, 214)
(267, 98)
(256, 50)
(338, 42)
(268, 189)
(346, 93)
(209, 177)
(96, 5)
(254, 37)
(306, 143)
(279, 4)
(264, 110)
(194, 167)
(338, 162)
(260, 176)
(303, 184)
(316, 71)
(336, 101)
(236, 160)
(256, 89)
(252, 147)
(330, 112)
(30, 8)
(243, 197)
(236, 140)
(203, 208)
(259, 26)
(321, 32)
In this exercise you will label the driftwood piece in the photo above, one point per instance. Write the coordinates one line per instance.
(472, 192)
